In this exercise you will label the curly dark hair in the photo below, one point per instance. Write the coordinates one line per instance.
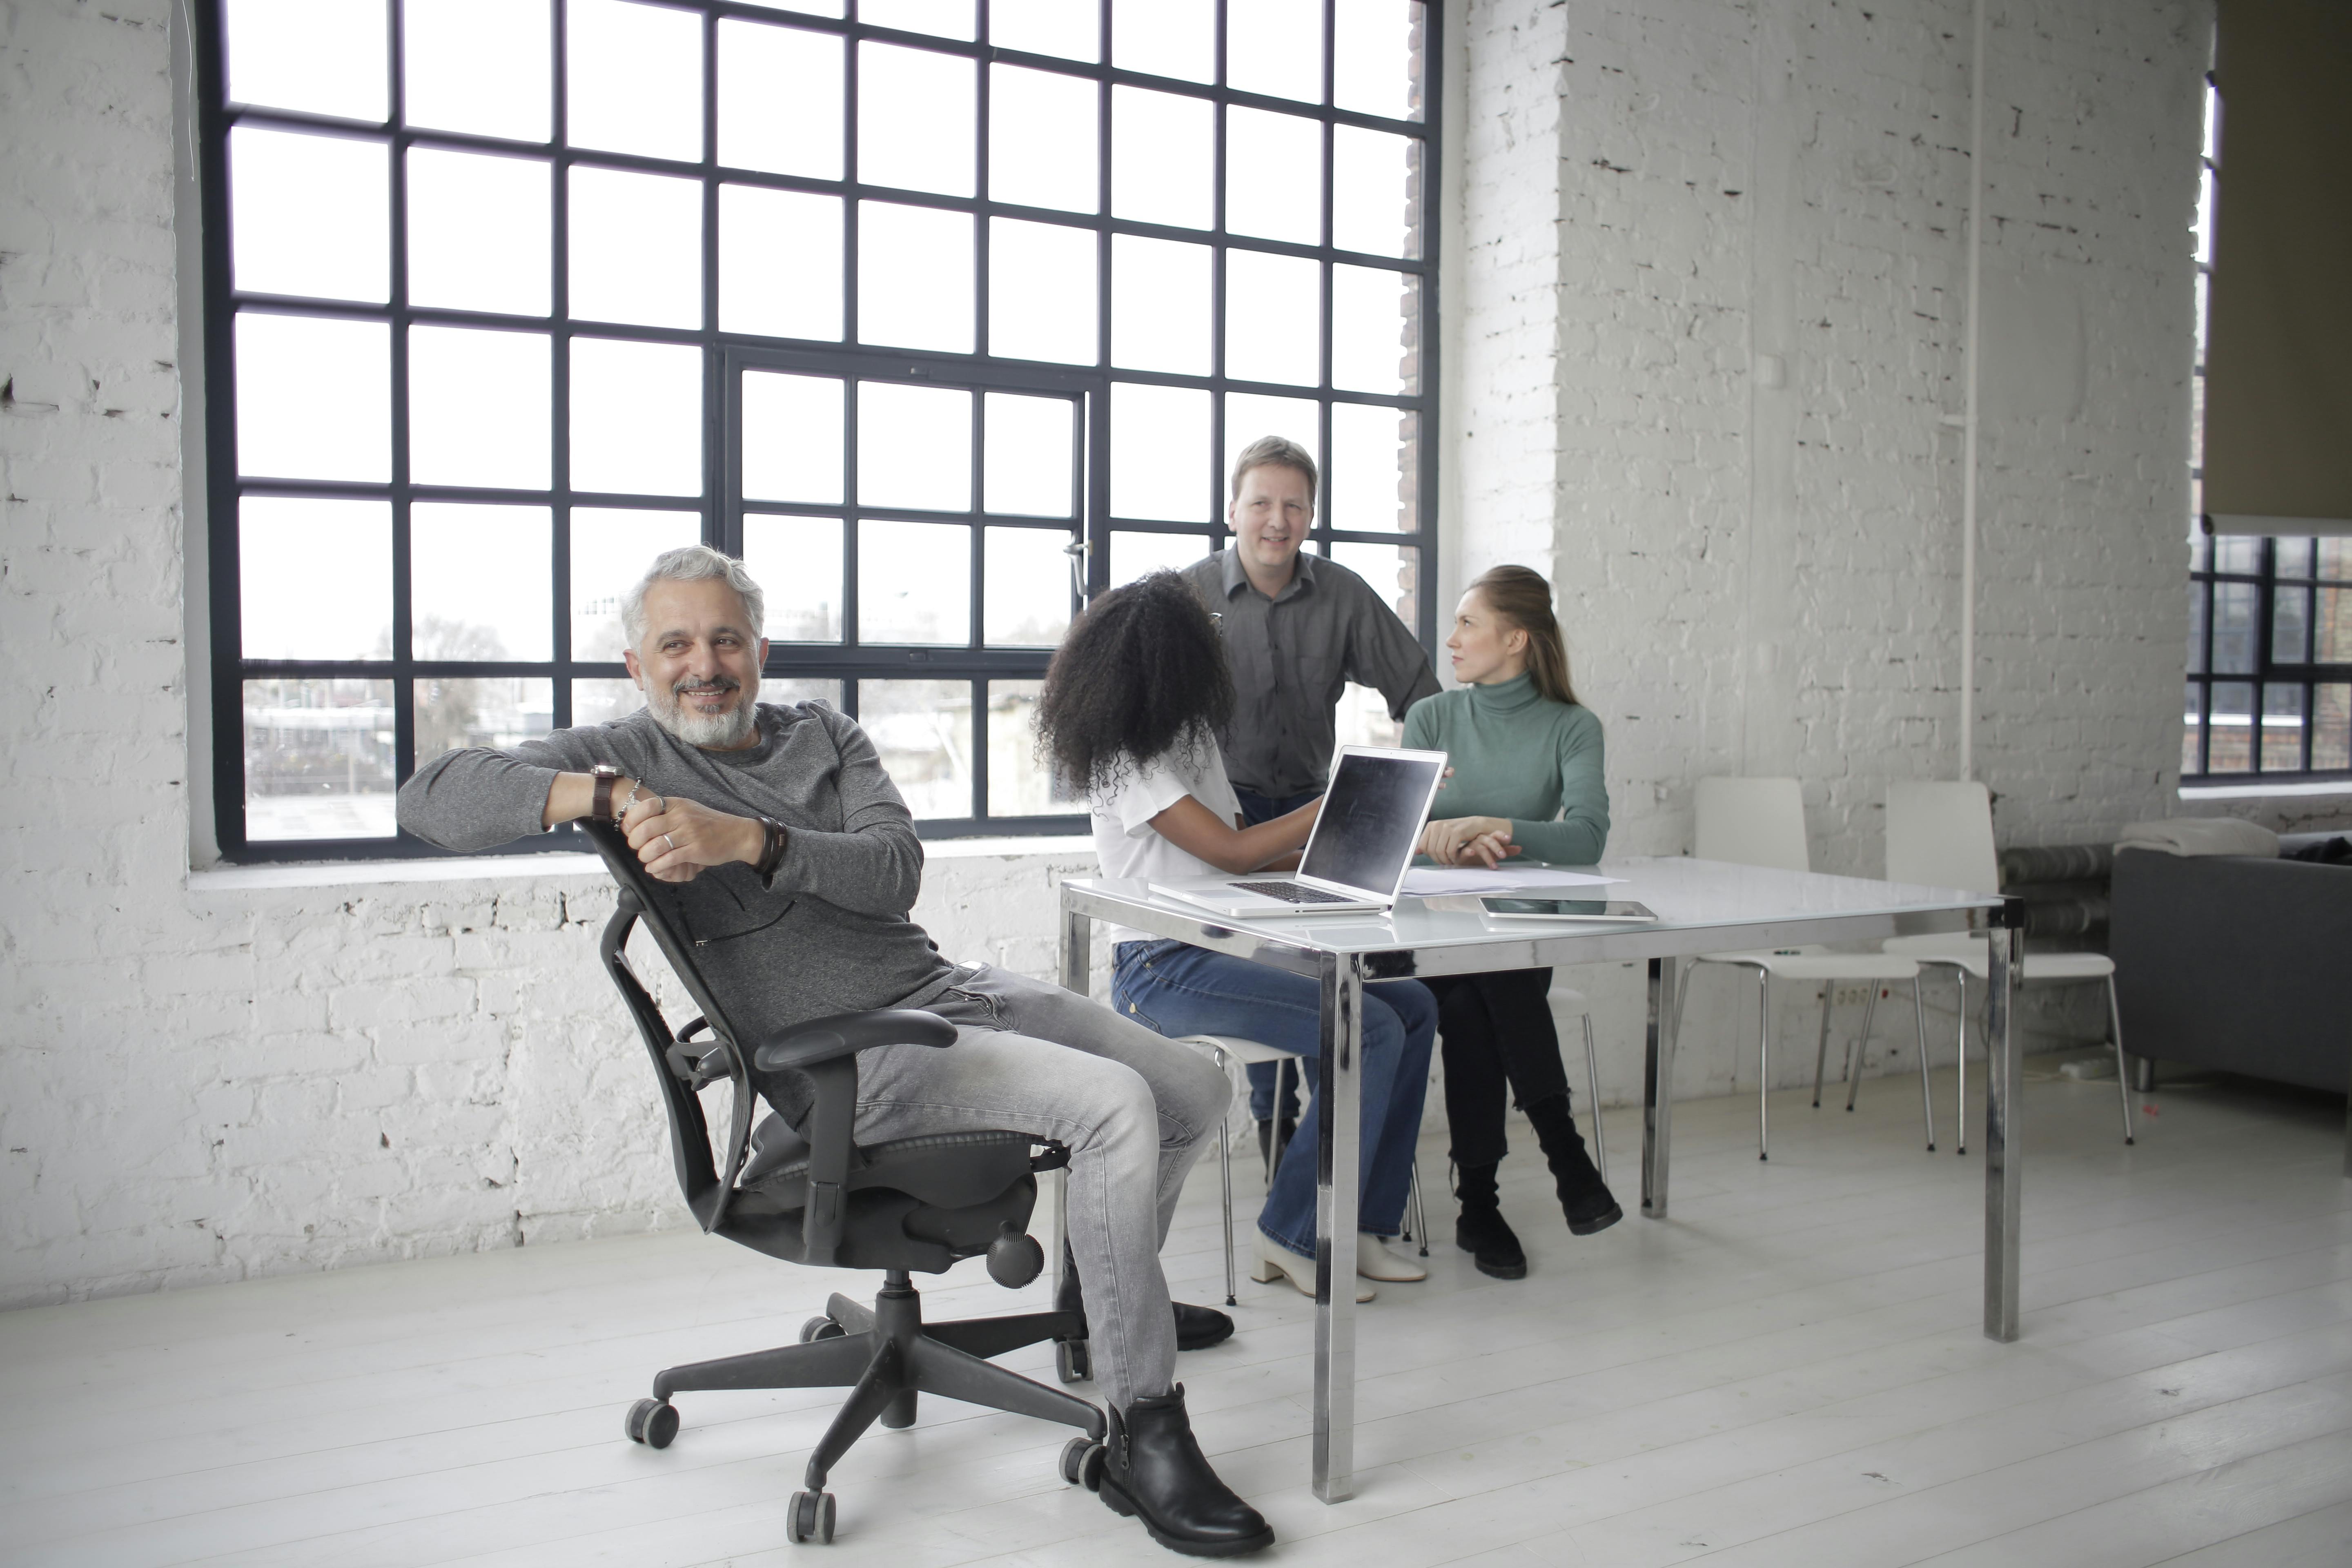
(1141, 667)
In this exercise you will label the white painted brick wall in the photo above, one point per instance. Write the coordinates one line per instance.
(202, 1083)
(1657, 193)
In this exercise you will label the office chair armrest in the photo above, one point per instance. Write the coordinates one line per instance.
(824, 1039)
(826, 1050)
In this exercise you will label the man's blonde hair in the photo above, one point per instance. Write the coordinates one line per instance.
(1276, 452)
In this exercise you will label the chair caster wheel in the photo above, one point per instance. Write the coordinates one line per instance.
(1071, 1360)
(1082, 1463)
(652, 1421)
(812, 1518)
(817, 1329)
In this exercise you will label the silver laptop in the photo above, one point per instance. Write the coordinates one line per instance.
(1356, 858)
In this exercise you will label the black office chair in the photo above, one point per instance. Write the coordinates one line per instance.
(911, 1204)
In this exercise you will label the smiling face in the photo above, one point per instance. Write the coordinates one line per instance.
(700, 663)
(1271, 511)
(1486, 649)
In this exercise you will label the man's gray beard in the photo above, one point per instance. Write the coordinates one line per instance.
(722, 731)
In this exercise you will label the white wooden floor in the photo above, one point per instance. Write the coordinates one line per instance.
(1790, 1371)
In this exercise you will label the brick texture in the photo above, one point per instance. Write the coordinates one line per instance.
(201, 1083)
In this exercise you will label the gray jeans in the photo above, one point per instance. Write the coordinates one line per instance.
(1132, 1108)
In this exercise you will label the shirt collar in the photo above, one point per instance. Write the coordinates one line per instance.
(1302, 572)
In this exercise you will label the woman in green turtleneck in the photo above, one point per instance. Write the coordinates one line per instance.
(1527, 779)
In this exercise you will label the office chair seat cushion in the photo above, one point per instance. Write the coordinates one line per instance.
(938, 1170)
(912, 1203)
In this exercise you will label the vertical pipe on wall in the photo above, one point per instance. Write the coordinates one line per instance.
(1968, 452)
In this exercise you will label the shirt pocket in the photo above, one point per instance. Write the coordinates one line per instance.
(1319, 675)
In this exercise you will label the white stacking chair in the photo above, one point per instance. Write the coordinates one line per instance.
(1570, 1003)
(1227, 1049)
(1761, 822)
(1939, 834)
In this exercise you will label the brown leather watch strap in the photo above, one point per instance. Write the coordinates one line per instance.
(600, 804)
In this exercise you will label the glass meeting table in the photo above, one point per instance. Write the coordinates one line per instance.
(1703, 906)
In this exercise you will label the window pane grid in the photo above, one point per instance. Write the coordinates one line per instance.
(2264, 695)
(496, 693)
(2267, 691)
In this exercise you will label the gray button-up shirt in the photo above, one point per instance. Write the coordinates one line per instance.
(1292, 655)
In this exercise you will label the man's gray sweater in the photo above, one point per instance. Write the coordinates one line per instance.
(827, 933)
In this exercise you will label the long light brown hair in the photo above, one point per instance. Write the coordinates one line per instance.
(1523, 599)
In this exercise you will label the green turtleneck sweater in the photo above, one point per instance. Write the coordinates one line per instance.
(1519, 756)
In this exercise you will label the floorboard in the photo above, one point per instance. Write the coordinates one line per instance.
(1788, 1370)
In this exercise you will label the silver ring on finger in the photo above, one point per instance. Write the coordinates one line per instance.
(671, 842)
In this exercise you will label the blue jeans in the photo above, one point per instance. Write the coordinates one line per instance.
(1257, 808)
(1180, 990)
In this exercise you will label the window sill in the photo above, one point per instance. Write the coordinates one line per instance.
(525, 867)
(2246, 791)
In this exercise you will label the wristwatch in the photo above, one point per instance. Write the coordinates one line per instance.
(600, 805)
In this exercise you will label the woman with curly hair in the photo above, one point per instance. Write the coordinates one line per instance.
(1130, 706)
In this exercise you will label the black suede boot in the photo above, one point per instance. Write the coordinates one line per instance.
(1197, 1328)
(1153, 1470)
(1481, 1231)
(1584, 1197)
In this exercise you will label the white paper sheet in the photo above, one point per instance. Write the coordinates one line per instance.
(1431, 881)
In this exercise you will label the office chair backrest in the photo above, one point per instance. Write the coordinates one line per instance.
(1939, 834)
(641, 899)
(1752, 822)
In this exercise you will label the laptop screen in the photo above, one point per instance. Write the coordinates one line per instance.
(1371, 819)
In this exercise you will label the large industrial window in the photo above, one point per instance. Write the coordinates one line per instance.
(2270, 620)
(942, 313)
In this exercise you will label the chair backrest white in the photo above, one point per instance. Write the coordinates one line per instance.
(1752, 822)
(1940, 833)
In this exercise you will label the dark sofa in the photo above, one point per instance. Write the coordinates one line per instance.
(2235, 963)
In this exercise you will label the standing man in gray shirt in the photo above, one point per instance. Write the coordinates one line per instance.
(1297, 628)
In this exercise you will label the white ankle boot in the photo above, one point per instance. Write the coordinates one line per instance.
(1374, 1261)
(1275, 1262)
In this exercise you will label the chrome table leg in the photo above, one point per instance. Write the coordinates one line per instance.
(2004, 1149)
(1339, 1122)
(1666, 981)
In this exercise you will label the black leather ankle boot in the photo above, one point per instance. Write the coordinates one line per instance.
(1481, 1231)
(1154, 1470)
(1197, 1328)
(1584, 1197)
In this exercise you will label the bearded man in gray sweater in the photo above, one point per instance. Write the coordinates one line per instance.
(794, 862)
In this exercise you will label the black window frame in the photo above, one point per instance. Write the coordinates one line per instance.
(725, 354)
(2207, 573)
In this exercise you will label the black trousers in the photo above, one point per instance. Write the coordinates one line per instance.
(1495, 1033)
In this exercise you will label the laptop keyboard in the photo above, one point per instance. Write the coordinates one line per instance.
(1295, 893)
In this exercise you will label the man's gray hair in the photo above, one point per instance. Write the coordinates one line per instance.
(1275, 451)
(693, 563)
